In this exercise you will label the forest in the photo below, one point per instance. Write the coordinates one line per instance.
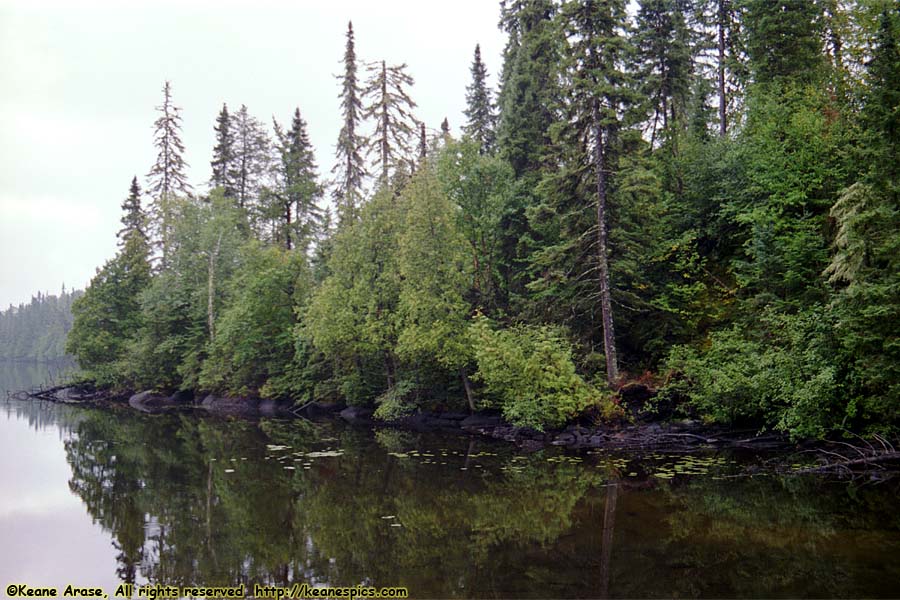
(37, 331)
(699, 195)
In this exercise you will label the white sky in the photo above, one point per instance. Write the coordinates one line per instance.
(79, 82)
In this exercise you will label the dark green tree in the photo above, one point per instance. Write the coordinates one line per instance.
(783, 39)
(528, 83)
(350, 169)
(482, 122)
(300, 190)
(224, 167)
(665, 63)
(134, 219)
(108, 316)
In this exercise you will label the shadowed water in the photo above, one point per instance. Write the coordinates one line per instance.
(98, 497)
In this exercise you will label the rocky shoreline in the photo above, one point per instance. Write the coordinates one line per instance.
(877, 459)
(644, 432)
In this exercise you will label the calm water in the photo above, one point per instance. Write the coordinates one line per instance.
(100, 497)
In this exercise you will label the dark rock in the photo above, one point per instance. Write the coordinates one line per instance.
(357, 414)
(316, 408)
(272, 408)
(181, 397)
(149, 401)
(231, 406)
(564, 439)
(453, 416)
(531, 445)
(481, 421)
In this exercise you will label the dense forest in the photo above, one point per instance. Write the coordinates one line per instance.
(703, 195)
(37, 331)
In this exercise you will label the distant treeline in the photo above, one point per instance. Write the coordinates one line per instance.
(37, 330)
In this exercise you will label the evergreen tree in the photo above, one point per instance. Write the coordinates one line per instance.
(134, 220)
(596, 99)
(253, 162)
(107, 317)
(866, 261)
(784, 39)
(663, 43)
(479, 111)
(350, 169)
(224, 168)
(300, 189)
(166, 178)
(528, 88)
(390, 105)
(423, 144)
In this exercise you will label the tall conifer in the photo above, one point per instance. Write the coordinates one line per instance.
(390, 105)
(167, 177)
(479, 111)
(350, 169)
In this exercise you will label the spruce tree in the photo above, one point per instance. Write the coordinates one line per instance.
(528, 83)
(166, 178)
(134, 220)
(389, 103)
(663, 43)
(479, 111)
(224, 169)
(253, 162)
(597, 96)
(300, 190)
(350, 169)
(423, 144)
(784, 39)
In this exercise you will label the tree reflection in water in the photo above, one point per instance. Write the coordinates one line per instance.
(218, 502)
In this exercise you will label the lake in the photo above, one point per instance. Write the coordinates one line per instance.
(99, 497)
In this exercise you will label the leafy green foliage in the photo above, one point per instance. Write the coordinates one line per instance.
(529, 372)
(253, 349)
(784, 373)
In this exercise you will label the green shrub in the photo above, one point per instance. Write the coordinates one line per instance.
(784, 376)
(529, 372)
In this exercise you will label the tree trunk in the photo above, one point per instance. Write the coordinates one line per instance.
(722, 99)
(470, 396)
(609, 524)
(211, 290)
(609, 337)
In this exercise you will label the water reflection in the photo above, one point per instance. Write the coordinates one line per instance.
(220, 502)
(179, 499)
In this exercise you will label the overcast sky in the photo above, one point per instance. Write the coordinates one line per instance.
(79, 82)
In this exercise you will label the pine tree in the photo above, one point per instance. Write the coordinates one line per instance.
(350, 169)
(253, 161)
(391, 107)
(528, 84)
(134, 220)
(107, 317)
(784, 39)
(482, 121)
(224, 169)
(663, 44)
(166, 178)
(596, 97)
(300, 190)
(423, 144)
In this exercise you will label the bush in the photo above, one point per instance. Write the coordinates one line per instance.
(529, 372)
(783, 376)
